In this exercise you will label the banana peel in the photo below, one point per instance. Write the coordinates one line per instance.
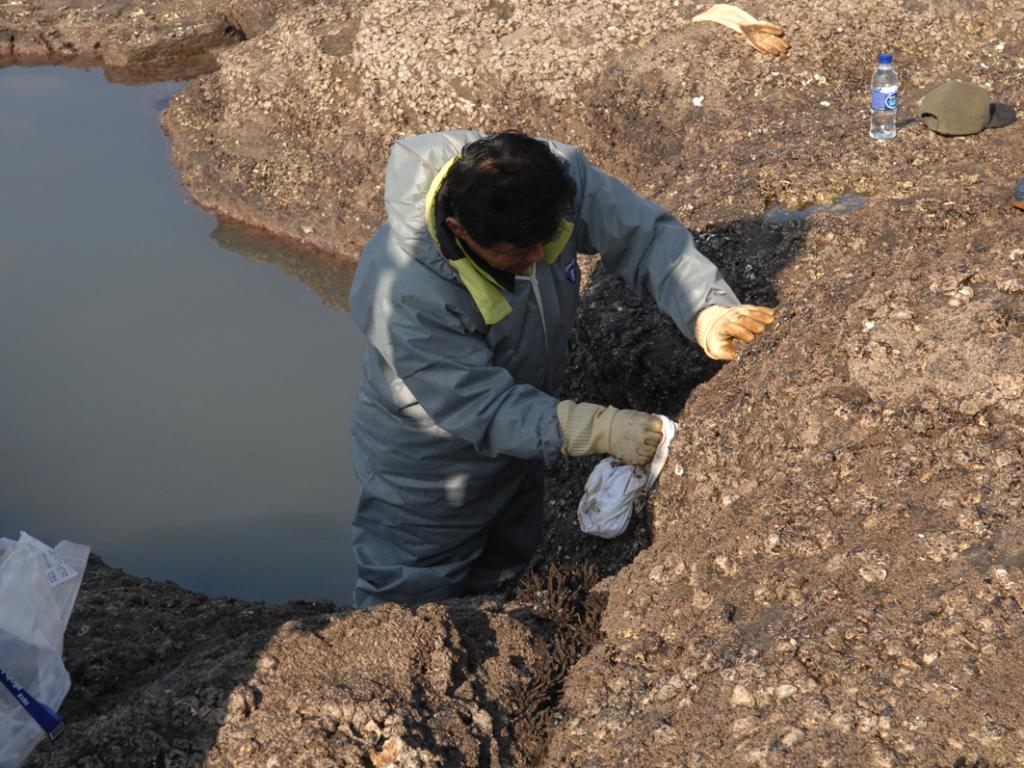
(765, 41)
(763, 35)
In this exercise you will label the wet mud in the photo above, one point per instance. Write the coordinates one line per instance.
(829, 572)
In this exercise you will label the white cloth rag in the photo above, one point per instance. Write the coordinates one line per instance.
(614, 489)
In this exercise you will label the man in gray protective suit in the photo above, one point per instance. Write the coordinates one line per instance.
(467, 295)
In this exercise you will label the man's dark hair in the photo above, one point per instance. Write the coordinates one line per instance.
(509, 187)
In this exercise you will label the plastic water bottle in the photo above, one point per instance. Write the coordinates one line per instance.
(885, 86)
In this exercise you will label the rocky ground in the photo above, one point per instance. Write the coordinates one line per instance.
(143, 40)
(832, 570)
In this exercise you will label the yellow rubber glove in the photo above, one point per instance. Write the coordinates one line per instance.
(630, 436)
(718, 327)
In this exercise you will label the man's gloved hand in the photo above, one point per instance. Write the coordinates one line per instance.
(630, 436)
(718, 327)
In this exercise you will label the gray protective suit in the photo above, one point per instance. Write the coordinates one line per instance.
(455, 417)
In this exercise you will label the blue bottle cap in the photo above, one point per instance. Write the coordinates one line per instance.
(885, 58)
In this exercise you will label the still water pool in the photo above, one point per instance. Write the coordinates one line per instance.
(169, 394)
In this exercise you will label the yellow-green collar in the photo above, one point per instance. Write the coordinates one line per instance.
(487, 294)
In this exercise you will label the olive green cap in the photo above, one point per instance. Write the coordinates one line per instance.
(959, 109)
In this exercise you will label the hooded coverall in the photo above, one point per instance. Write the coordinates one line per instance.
(455, 415)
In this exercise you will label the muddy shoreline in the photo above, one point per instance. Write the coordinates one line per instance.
(831, 572)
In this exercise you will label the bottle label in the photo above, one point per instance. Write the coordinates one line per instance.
(883, 99)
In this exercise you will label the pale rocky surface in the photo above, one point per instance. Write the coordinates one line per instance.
(835, 573)
(292, 132)
(834, 562)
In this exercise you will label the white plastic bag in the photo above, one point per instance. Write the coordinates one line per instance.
(38, 588)
(614, 489)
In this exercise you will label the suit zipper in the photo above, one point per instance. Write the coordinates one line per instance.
(532, 278)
